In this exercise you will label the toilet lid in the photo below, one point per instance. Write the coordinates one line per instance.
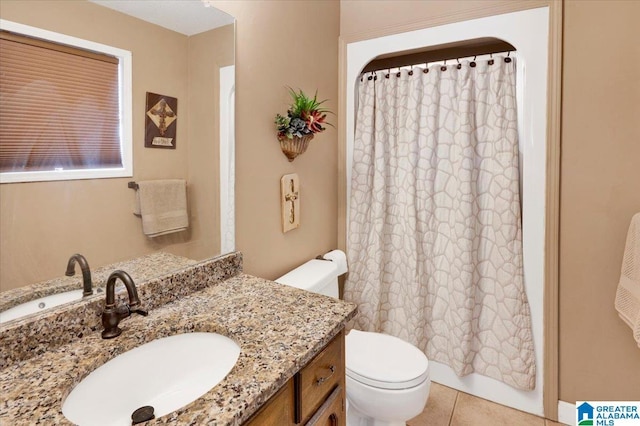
(384, 361)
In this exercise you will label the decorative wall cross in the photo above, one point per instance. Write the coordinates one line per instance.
(290, 199)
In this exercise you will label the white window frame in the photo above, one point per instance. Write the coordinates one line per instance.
(126, 110)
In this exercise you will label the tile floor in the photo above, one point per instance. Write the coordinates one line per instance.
(448, 407)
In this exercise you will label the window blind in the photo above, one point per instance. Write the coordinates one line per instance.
(59, 107)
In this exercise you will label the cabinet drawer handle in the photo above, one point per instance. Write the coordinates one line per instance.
(321, 380)
(333, 418)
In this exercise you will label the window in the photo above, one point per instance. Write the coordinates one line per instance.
(65, 107)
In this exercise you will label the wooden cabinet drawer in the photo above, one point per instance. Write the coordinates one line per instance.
(316, 381)
(314, 396)
(332, 412)
(278, 410)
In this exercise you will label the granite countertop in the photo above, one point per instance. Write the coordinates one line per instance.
(140, 269)
(278, 328)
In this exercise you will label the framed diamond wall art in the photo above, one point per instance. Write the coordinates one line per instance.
(160, 121)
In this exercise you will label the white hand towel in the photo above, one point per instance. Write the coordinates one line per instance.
(162, 206)
(628, 294)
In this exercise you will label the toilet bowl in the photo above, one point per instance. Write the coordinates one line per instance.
(387, 379)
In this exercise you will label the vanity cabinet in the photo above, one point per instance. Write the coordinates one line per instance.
(332, 412)
(314, 396)
(279, 410)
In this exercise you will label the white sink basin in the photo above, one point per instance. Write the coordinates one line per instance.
(166, 374)
(38, 305)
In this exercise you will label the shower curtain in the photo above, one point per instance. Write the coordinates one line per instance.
(435, 239)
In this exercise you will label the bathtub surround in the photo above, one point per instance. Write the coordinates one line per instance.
(276, 340)
(435, 239)
(526, 26)
(599, 182)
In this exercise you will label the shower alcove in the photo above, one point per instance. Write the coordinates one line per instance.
(528, 32)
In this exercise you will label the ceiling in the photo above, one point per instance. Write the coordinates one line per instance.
(187, 17)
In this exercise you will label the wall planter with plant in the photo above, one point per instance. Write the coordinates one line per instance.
(304, 119)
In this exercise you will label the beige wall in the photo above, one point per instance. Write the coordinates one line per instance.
(600, 175)
(42, 224)
(357, 16)
(283, 43)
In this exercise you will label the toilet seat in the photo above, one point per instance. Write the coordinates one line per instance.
(384, 361)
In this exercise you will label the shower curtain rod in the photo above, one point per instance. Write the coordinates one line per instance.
(425, 70)
(444, 67)
(436, 55)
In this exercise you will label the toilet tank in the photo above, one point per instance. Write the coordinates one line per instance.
(318, 276)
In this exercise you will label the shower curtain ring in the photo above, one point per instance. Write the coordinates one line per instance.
(472, 64)
(444, 67)
(459, 64)
(508, 59)
(491, 60)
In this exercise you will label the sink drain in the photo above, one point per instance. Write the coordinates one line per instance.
(142, 414)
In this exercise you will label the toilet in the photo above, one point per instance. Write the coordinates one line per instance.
(387, 378)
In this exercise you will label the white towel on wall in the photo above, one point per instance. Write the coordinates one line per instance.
(162, 204)
(628, 294)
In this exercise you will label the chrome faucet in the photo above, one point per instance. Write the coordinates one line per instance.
(86, 272)
(112, 315)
